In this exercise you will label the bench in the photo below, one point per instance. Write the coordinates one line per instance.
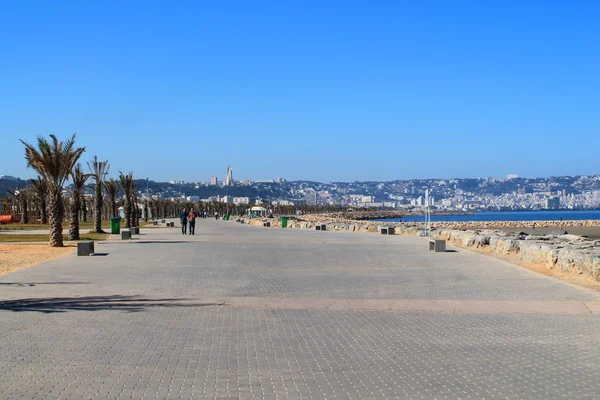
(125, 234)
(85, 248)
(438, 245)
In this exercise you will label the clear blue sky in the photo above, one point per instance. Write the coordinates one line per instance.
(306, 90)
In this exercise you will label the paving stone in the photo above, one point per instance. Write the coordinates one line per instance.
(141, 322)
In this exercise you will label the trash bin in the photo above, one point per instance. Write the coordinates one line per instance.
(284, 222)
(115, 225)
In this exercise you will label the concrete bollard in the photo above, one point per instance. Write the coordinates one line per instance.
(85, 248)
(438, 245)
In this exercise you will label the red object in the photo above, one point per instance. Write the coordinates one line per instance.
(6, 219)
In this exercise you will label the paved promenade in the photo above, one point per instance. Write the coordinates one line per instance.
(247, 312)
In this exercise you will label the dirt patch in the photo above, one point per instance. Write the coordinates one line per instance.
(14, 257)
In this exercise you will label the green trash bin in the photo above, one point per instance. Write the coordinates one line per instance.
(115, 225)
(284, 222)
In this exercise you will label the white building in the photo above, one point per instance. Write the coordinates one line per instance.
(241, 200)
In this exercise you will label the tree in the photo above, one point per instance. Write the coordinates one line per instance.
(98, 169)
(112, 189)
(22, 197)
(79, 179)
(40, 189)
(127, 186)
(53, 160)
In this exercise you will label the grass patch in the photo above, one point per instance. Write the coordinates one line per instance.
(12, 238)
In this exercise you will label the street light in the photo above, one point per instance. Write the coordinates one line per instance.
(146, 211)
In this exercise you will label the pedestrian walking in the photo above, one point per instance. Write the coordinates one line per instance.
(216, 215)
(184, 218)
(192, 221)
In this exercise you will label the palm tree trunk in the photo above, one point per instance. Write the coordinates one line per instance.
(83, 209)
(127, 212)
(74, 223)
(24, 216)
(98, 214)
(43, 211)
(113, 207)
(56, 217)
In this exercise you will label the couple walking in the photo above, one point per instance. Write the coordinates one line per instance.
(188, 218)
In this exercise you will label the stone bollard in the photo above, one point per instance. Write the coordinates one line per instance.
(85, 248)
(438, 245)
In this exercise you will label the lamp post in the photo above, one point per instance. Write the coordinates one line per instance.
(146, 211)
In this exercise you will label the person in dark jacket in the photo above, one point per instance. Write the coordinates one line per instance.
(184, 221)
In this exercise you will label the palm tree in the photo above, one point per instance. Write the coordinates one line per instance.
(84, 208)
(22, 197)
(127, 186)
(98, 169)
(79, 179)
(112, 189)
(136, 209)
(53, 160)
(6, 206)
(40, 189)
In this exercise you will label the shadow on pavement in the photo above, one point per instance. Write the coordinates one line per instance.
(92, 303)
(137, 241)
(27, 284)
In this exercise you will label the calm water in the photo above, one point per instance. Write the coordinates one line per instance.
(507, 216)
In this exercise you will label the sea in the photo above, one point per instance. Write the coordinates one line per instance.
(505, 216)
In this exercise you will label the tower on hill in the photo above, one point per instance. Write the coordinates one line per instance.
(229, 178)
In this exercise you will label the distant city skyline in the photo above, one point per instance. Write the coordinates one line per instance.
(337, 91)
